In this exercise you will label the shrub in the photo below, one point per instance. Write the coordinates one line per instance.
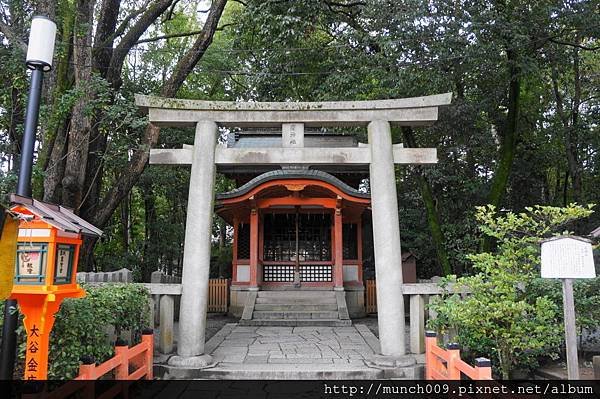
(81, 324)
(500, 319)
(586, 294)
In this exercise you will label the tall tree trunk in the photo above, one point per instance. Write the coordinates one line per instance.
(433, 217)
(53, 153)
(79, 132)
(509, 137)
(574, 162)
(101, 57)
(17, 118)
(508, 142)
(571, 126)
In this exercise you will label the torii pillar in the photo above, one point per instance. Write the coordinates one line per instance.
(380, 154)
(196, 251)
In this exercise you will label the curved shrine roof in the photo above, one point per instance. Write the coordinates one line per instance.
(284, 174)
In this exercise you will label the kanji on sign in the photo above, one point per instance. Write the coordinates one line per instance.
(34, 331)
(32, 365)
(33, 347)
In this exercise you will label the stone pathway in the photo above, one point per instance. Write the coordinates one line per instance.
(290, 353)
(293, 345)
(307, 352)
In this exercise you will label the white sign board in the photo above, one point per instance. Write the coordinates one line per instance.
(567, 257)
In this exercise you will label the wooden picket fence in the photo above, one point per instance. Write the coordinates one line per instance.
(446, 364)
(139, 357)
(371, 296)
(218, 295)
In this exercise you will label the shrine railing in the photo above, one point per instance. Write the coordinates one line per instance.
(446, 364)
(139, 357)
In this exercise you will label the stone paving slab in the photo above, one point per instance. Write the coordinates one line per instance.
(291, 345)
(306, 352)
(291, 352)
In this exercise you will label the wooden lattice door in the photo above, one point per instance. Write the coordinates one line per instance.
(297, 247)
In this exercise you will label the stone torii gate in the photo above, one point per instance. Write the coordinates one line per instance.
(379, 154)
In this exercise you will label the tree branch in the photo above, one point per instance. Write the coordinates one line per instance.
(124, 24)
(191, 58)
(581, 46)
(131, 37)
(140, 157)
(169, 14)
(348, 5)
(107, 22)
(182, 34)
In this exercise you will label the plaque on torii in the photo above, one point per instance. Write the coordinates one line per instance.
(292, 117)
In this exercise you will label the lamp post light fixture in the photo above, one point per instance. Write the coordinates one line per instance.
(40, 52)
(39, 59)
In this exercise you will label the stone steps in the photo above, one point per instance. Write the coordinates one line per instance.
(295, 306)
(294, 314)
(296, 294)
(296, 322)
(296, 301)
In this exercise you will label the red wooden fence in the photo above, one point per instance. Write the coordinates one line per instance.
(139, 357)
(446, 364)
(218, 295)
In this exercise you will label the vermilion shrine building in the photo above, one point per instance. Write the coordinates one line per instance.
(297, 229)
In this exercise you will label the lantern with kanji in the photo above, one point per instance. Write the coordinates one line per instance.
(49, 240)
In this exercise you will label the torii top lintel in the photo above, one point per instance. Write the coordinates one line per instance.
(414, 111)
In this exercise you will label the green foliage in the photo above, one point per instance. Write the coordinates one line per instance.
(500, 318)
(586, 294)
(82, 325)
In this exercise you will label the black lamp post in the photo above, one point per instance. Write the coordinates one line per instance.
(40, 52)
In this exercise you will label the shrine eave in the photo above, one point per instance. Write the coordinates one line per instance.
(289, 174)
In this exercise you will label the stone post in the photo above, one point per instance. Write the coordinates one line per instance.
(417, 324)
(386, 240)
(167, 308)
(196, 251)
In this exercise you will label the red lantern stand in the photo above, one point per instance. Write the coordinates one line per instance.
(48, 246)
